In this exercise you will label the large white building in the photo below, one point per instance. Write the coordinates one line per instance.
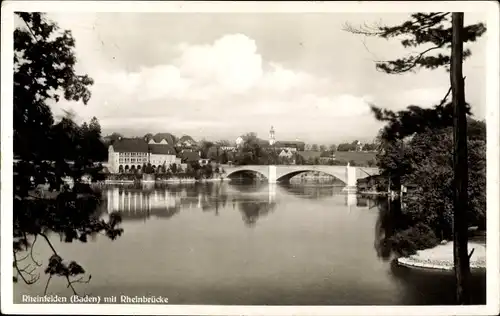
(128, 154)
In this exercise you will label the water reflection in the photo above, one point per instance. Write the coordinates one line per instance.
(390, 220)
(145, 201)
(252, 210)
(313, 191)
(255, 200)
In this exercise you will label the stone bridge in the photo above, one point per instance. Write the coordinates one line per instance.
(283, 173)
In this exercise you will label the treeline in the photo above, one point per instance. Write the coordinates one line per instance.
(355, 147)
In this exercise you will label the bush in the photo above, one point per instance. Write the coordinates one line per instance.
(408, 241)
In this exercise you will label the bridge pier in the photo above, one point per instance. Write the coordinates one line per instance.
(272, 175)
(351, 180)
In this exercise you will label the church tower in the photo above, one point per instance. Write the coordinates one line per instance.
(272, 140)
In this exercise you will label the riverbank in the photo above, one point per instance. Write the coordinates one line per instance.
(172, 180)
(441, 257)
(372, 193)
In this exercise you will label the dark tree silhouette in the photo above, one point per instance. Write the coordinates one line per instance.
(44, 62)
(446, 35)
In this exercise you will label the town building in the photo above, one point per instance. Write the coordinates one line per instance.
(293, 146)
(288, 146)
(285, 153)
(239, 141)
(228, 148)
(186, 141)
(163, 138)
(131, 154)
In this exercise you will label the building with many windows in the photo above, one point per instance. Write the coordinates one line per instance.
(131, 154)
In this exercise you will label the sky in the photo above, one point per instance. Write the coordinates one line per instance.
(220, 75)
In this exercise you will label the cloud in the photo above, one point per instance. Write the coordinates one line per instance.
(231, 63)
(227, 84)
(225, 74)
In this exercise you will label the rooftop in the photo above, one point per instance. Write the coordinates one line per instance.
(130, 145)
(161, 149)
(166, 136)
(140, 145)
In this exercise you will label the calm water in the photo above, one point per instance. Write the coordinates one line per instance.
(248, 244)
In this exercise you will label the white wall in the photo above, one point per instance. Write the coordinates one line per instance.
(159, 160)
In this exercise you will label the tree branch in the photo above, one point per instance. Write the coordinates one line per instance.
(79, 280)
(446, 96)
(472, 251)
(378, 30)
(29, 28)
(20, 272)
(416, 60)
(55, 252)
(31, 252)
(47, 284)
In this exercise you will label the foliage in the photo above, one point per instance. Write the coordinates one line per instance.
(111, 139)
(413, 119)
(44, 62)
(432, 172)
(426, 217)
(251, 151)
(422, 29)
(223, 157)
(347, 147)
(369, 147)
(205, 147)
(299, 159)
(93, 148)
(408, 241)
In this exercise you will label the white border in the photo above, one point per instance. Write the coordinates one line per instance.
(493, 160)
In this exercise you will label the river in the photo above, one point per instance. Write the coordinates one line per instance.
(245, 244)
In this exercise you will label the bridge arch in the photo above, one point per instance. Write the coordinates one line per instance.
(233, 174)
(287, 176)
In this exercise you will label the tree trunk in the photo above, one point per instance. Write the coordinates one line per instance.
(460, 254)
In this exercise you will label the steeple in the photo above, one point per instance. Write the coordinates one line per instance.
(272, 140)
